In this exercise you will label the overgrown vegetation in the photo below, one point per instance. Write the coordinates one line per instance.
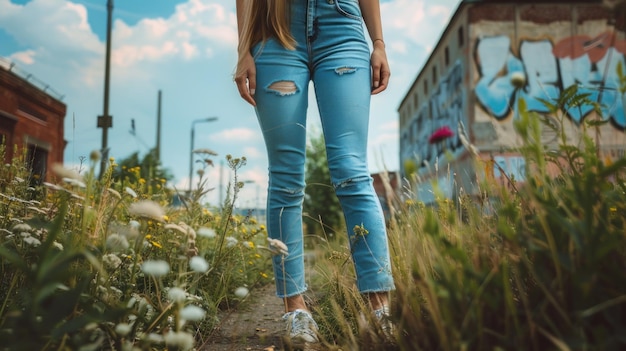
(107, 264)
(537, 268)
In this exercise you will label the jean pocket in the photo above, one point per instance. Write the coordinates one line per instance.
(348, 8)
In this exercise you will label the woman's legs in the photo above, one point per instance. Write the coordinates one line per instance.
(334, 49)
(282, 99)
(342, 78)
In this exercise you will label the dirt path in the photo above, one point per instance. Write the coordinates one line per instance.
(255, 326)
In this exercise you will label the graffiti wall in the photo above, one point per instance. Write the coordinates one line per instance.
(445, 107)
(548, 68)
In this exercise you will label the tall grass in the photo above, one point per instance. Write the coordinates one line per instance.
(534, 266)
(96, 264)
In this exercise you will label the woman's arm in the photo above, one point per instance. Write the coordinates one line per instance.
(245, 76)
(380, 67)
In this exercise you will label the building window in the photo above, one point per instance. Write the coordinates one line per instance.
(434, 75)
(37, 163)
(415, 101)
(426, 87)
(446, 56)
(461, 37)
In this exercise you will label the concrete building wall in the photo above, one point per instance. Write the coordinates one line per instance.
(33, 121)
(552, 45)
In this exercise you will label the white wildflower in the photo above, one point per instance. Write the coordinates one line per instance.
(179, 340)
(132, 301)
(278, 247)
(231, 241)
(176, 294)
(52, 186)
(198, 264)
(75, 182)
(36, 209)
(154, 338)
(155, 268)
(207, 232)
(63, 172)
(111, 261)
(116, 242)
(241, 292)
(78, 197)
(22, 227)
(194, 298)
(123, 329)
(18, 180)
(32, 241)
(130, 192)
(148, 209)
(57, 245)
(192, 313)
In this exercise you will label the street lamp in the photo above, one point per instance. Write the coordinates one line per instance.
(193, 124)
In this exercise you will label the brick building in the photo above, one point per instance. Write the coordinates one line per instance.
(544, 47)
(31, 118)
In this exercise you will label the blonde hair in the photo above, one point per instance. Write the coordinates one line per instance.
(264, 19)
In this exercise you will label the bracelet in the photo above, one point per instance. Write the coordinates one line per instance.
(382, 41)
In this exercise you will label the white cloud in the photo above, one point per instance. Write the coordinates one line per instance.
(26, 57)
(189, 54)
(253, 153)
(64, 24)
(237, 134)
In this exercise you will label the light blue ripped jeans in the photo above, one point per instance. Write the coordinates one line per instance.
(332, 52)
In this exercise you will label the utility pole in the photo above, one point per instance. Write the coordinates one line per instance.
(158, 132)
(105, 121)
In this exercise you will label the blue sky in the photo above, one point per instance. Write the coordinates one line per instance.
(186, 49)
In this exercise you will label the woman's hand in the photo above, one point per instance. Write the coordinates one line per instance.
(380, 68)
(246, 78)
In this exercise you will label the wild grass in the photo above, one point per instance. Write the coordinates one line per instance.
(537, 265)
(97, 264)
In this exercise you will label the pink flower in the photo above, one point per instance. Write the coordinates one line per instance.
(440, 135)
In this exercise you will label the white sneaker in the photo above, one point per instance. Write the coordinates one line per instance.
(386, 325)
(301, 328)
